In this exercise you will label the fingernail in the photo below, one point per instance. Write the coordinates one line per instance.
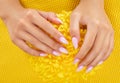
(76, 61)
(79, 68)
(100, 62)
(89, 69)
(63, 50)
(75, 42)
(63, 40)
(43, 54)
(56, 53)
(59, 20)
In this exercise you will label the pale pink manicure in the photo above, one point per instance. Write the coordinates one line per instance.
(63, 50)
(43, 54)
(75, 42)
(100, 62)
(56, 53)
(63, 40)
(89, 69)
(76, 61)
(59, 20)
(79, 68)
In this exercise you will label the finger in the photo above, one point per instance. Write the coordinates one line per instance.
(39, 45)
(110, 48)
(41, 36)
(101, 55)
(75, 30)
(26, 48)
(94, 52)
(29, 38)
(48, 28)
(88, 43)
(50, 16)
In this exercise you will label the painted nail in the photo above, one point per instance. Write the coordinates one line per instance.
(79, 68)
(75, 42)
(63, 50)
(63, 40)
(59, 20)
(43, 54)
(56, 53)
(76, 61)
(100, 62)
(89, 69)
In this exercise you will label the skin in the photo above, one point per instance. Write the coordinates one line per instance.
(34, 26)
(99, 39)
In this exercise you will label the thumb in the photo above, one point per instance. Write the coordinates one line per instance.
(50, 16)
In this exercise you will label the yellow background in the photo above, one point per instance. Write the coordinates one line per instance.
(15, 67)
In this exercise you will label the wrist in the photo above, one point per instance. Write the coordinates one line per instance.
(12, 13)
(10, 8)
(96, 3)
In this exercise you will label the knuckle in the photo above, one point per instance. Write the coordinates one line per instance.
(41, 37)
(106, 57)
(35, 42)
(30, 13)
(18, 32)
(30, 51)
(108, 29)
(21, 23)
(86, 62)
(106, 25)
(89, 46)
(73, 32)
(55, 45)
(56, 34)
(97, 22)
(48, 50)
(27, 49)
(93, 32)
(93, 64)
(33, 52)
(79, 57)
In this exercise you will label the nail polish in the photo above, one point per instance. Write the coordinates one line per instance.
(63, 50)
(59, 20)
(100, 62)
(43, 54)
(63, 40)
(75, 42)
(89, 69)
(76, 61)
(56, 53)
(79, 68)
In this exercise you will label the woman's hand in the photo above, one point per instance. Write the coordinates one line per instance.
(99, 39)
(34, 27)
